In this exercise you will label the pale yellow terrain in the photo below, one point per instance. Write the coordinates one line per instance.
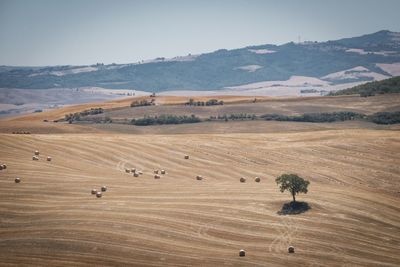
(52, 219)
(120, 109)
(125, 102)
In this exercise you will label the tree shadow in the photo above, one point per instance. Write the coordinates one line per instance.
(294, 208)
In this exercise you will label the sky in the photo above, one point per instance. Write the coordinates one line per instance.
(84, 32)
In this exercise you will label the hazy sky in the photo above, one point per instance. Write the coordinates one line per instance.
(54, 32)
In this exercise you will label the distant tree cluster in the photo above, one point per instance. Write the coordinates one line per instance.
(211, 102)
(77, 116)
(165, 119)
(391, 85)
(385, 117)
(92, 111)
(315, 117)
(141, 103)
(233, 117)
(21, 132)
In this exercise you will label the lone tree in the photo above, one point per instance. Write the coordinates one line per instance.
(292, 183)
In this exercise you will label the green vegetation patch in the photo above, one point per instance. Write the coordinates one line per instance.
(211, 102)
(386, 86)
(165, 119)
(315, 117)
(385, 117)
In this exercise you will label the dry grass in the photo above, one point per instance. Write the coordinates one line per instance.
(285, 106)
(51, 219)
(125, 102)
(119, 109)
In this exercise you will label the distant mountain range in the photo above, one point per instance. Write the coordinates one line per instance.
(359, 59)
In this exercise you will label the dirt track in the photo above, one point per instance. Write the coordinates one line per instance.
(51, 218)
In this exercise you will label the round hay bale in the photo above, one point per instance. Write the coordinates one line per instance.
(104, 188)
(242, 179)
(186, 157)
(242, 253)
(98, 194)
(199, 177)
(4, 166)
(36, 152)
(133, 170)
(48, 158)
(162, 171)
(1, 167)
(140, 172)
(127, 170)
(136, 174)
(291, 249)
(35, 158)
(257, 179)
(17, 180)
(157, 176)
(156, 171)
(94, 191)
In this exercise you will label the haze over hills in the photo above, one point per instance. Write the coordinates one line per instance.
(326, 65)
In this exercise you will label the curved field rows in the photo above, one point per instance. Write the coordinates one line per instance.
(52, 219)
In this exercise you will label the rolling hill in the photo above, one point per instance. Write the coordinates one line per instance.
(391, 85)
(51, 218)
(369, 57)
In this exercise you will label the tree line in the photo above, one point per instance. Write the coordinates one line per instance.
(315, 117)
(79, 116)
(142, 103)
(211, 102)
(378, 118)
(165, 119)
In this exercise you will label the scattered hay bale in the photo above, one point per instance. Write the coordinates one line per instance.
(35, 158)
(186, 157)
(257, 179)
(127, 170)
(242, 179)
(242, 253)
(48, 158)
(17, 180)
(199, 177)
(94, 191)
(156, 171)
(291, 249)
(140, 172)
(157, 176)
(98, 194)
(162, 171)
(104, 188)
(37, 152)
(135, 174)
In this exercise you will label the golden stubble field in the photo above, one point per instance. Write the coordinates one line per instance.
(51, 218)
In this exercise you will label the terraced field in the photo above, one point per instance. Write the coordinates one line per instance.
(52, 219)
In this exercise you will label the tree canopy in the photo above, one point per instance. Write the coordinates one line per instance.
(292, 183)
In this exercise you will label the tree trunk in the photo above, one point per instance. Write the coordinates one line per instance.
(294, 198)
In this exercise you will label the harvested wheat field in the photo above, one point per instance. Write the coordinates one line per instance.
(51, 218)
